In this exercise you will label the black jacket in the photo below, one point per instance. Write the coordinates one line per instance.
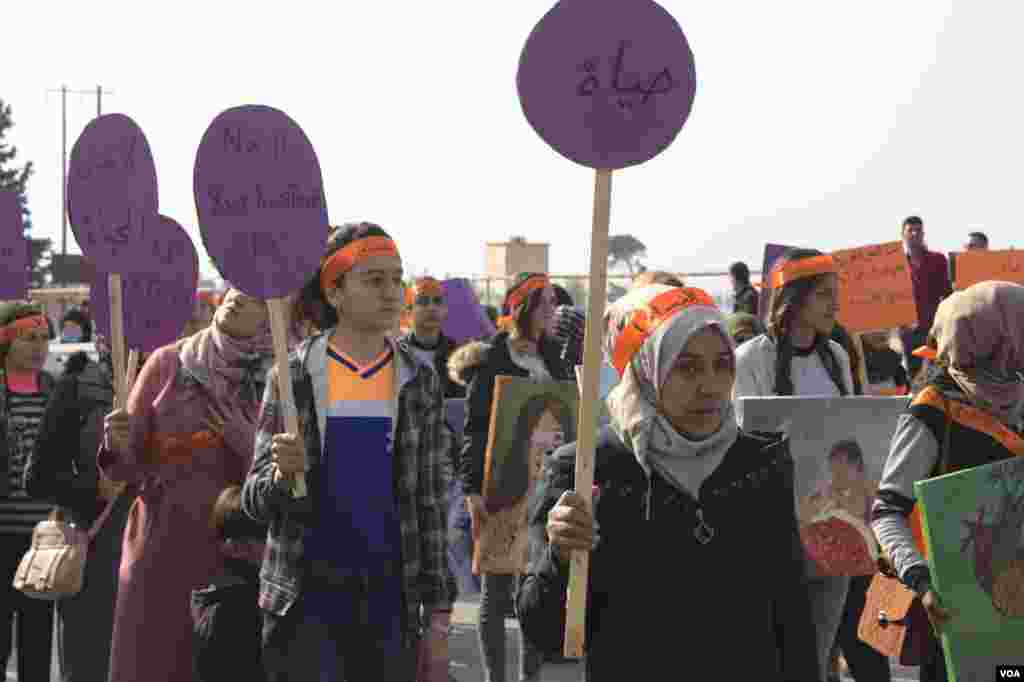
(62, 468)
(883, 365)
(656, 594)
(442, 353)
(477, 364)
(226, 618)
(746, 300)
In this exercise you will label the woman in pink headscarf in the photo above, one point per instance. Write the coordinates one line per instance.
(187, 434)
(968, 414)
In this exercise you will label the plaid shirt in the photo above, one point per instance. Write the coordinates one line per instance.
(422, 446)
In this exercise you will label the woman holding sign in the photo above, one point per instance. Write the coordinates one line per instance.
(524, 350)
(797, 358)
(355, 576)
(969, 414)
(187, 434)
(696, 559)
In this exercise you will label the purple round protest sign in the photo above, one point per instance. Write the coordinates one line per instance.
(158, 304)
(111, 185)
(260, 199)
(14, 254)
(607, 84)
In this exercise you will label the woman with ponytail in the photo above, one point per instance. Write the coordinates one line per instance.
(522, 349)
(797, 358)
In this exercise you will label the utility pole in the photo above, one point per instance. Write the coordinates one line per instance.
(99, 92)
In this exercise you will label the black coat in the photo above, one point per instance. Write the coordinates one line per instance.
(746, 300)
(658, 596)
(443, 351)
(226, 618)
(62, 467)
(489, 361)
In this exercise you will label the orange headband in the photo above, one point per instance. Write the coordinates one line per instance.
(799, 269)
(13, 330)
(926, 353)
(643, 320)
(348, 257)
(519, 295)
(427, 286)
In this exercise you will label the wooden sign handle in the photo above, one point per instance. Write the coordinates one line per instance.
(576, 598)
(278, 308)
(862, 369)
(117, 340)
(133, 370)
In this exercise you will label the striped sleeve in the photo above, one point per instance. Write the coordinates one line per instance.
(19, 514)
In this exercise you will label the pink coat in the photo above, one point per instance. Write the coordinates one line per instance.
(177, 467)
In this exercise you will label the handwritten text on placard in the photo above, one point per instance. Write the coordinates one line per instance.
(875, 289)
(260, 199)
(982, 266)
(14, 253)
(112, 193)
(607, 84)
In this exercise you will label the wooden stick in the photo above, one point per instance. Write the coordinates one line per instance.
(117, 340)
(862, 369)
(576, 600)
(133, 370)
(278, 308)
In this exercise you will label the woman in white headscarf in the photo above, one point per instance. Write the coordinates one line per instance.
(695, 550)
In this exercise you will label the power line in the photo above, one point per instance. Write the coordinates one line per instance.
(64, 91)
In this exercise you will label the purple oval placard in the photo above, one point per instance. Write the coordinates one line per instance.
(607, 84)
(14, 253)
(111, 185)
(466, 317)
(156, 304)
(260, 199)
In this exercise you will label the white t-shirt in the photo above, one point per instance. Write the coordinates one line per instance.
(755, 372)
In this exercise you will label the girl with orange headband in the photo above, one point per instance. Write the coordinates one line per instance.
(797, 358)
(671, 538)
(24, 391)
(356, 575)
(524, 349)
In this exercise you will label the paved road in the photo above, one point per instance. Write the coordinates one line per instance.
(465, 655)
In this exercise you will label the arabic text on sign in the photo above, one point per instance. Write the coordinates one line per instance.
(658, 83)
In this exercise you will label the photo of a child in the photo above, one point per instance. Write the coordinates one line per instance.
(847, 487)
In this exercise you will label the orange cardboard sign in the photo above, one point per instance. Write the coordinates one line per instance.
(982, 266)
(875, 289)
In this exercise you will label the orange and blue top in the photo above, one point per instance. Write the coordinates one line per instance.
(357, 531)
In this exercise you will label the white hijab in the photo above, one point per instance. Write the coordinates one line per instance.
(632, 403)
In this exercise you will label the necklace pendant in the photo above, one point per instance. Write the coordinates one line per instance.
(703, 532)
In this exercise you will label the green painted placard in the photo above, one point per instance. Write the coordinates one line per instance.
(973, 522)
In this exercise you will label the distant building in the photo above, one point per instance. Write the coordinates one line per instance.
(505, 259)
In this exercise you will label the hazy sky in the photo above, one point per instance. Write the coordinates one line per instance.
(815, 123)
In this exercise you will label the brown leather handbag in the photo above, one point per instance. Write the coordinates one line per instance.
(894, 622)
